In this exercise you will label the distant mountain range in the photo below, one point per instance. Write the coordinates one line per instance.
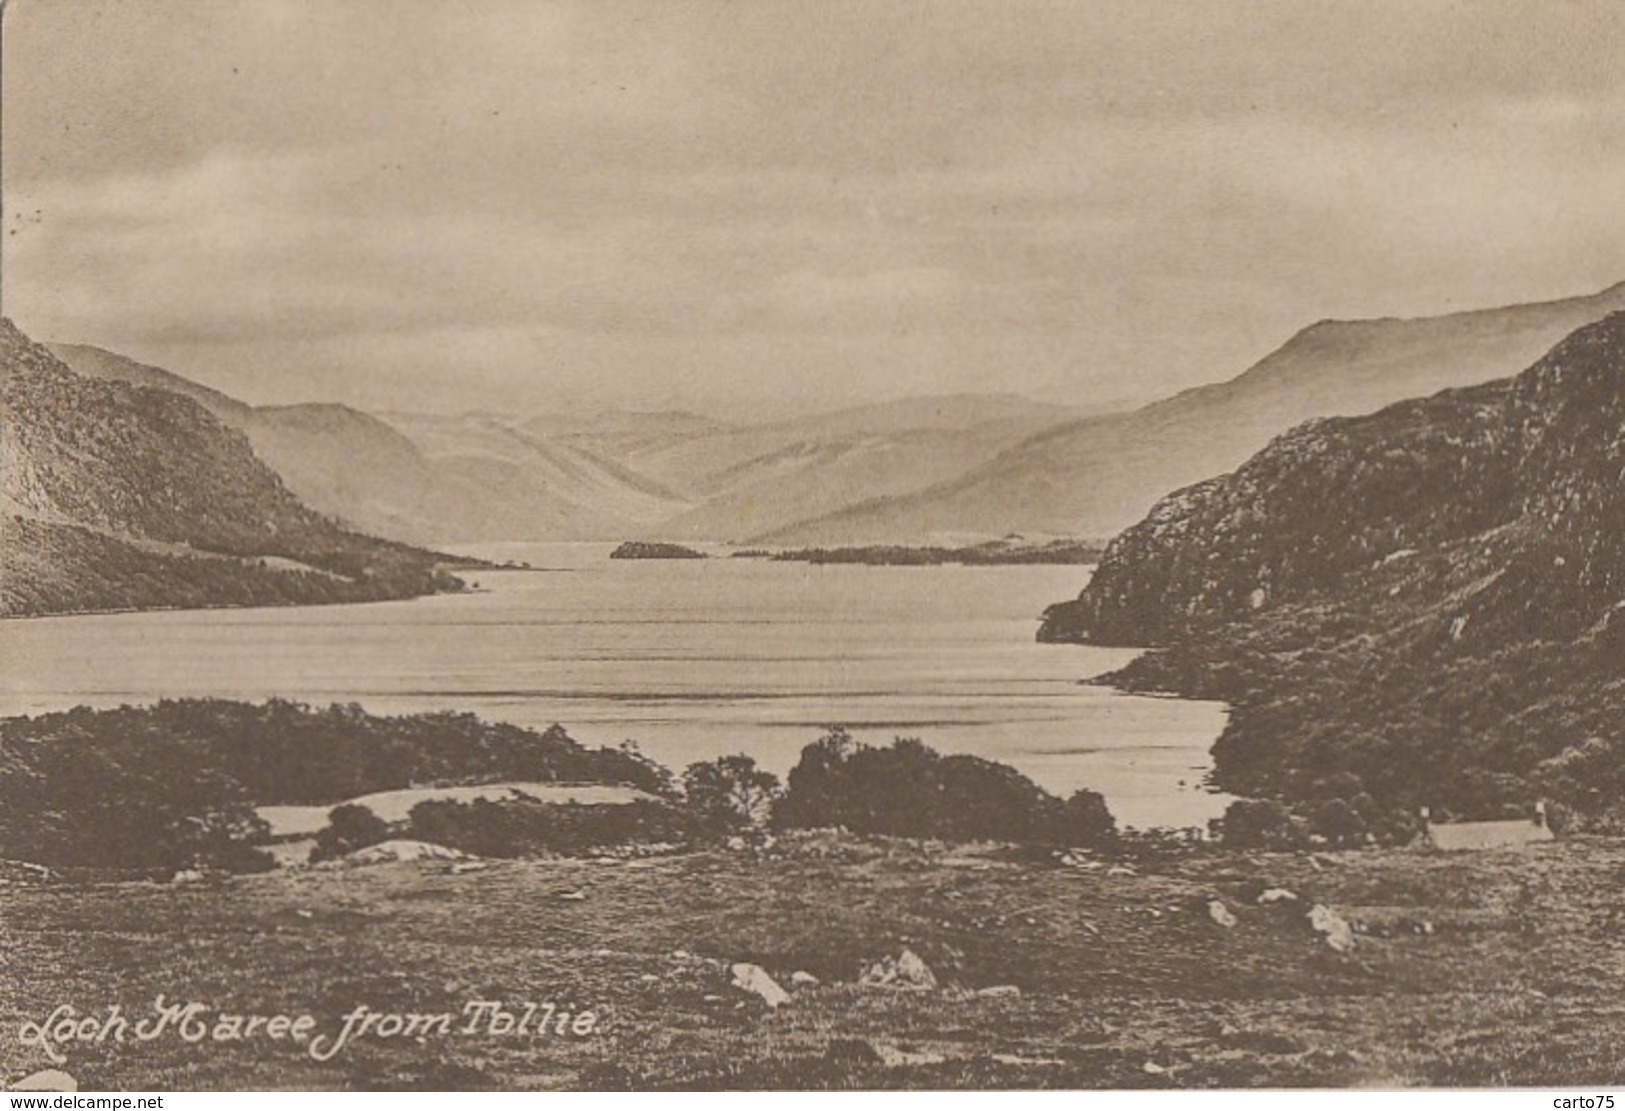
(747, 482)
(1426, 604)
(444, 479)
(115, 495)
(935, 470)
(1096, 476)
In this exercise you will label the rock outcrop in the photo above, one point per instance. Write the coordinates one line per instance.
(753, 978)
(1416, 601)
(907, 970)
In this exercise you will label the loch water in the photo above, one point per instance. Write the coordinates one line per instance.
(689, 658)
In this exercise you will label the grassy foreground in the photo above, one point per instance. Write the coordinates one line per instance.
(1497, 968)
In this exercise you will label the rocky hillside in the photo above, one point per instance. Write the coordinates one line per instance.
(118, 495)
(1425, 603)
(1096, 476)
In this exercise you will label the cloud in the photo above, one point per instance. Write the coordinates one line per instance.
(716, 201)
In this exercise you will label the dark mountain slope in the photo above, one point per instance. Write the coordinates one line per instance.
(118, 495)
(1095, 477)
(1427, 603)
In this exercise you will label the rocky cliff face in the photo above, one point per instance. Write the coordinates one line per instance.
(124, 496)
(1431, 591)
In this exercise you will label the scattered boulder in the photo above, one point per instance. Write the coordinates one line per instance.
(802, 979)
(1000, 991)
(187, 875)
(754, 979)
(1276, 895)
(573, 897)
(913, 970)
(906, 970)
(1220, 914)
(1331, 926)
(51, 1080)
(1121, 870)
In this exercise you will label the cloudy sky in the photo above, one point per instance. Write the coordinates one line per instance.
(746, 206)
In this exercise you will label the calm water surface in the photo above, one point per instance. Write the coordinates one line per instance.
(692, 659)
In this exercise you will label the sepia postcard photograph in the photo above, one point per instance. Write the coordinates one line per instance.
(785, 545)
